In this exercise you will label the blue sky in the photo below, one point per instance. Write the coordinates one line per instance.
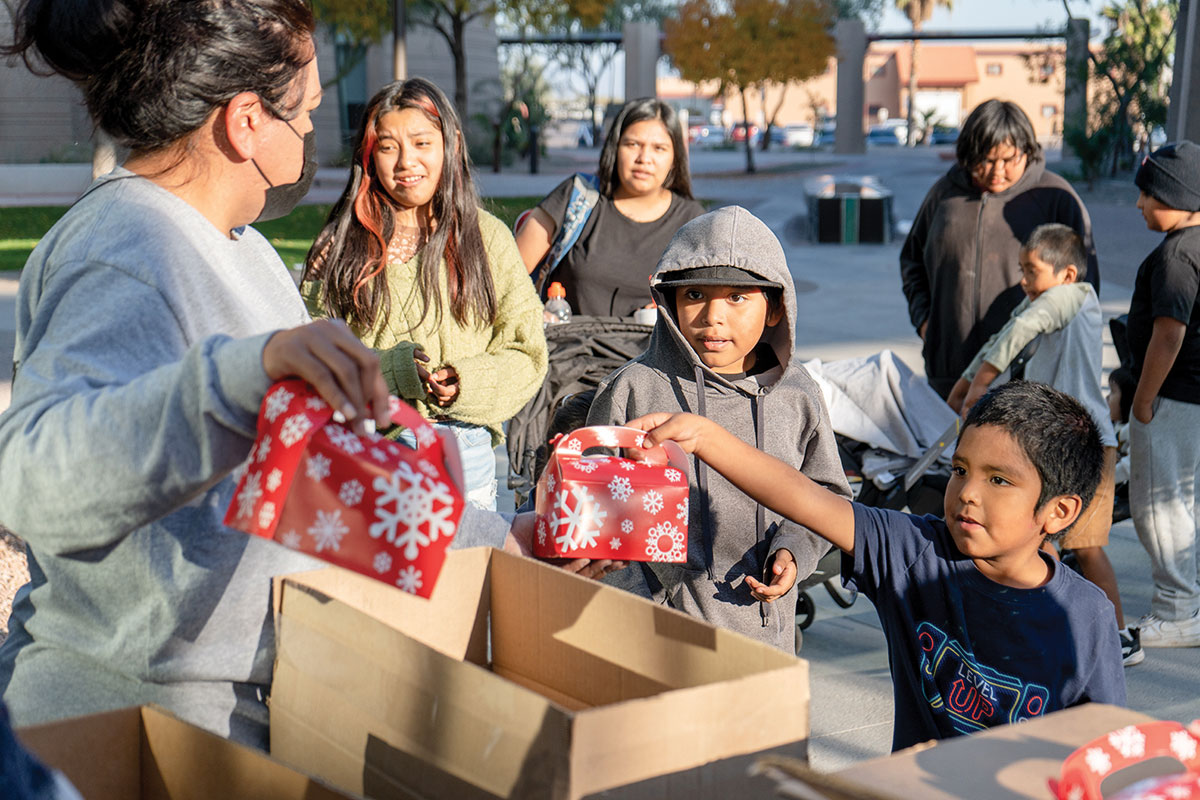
(972, 15)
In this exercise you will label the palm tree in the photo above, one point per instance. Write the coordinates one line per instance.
(918, 13)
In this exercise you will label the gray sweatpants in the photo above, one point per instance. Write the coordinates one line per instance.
(1164, 496)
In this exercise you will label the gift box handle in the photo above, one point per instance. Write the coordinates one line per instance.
(406, 416)
(575, 443)
(1084, 770)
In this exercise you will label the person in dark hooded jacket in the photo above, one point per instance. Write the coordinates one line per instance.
(960, 263)
(738, 572)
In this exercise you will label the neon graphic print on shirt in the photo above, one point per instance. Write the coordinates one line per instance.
(971, 695)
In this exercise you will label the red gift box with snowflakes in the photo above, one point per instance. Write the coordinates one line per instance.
(365, 503)
(612, 507)
(1085, 772)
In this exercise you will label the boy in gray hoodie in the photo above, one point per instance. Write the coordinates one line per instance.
(723, 348)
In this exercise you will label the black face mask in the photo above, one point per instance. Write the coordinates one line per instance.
(282, 199)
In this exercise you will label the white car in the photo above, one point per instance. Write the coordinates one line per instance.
(798, 136)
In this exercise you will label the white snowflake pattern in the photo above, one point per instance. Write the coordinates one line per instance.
(249, 495)
(681, 509)
(639, 439)
(551, 484)
(1183, 745)
(665, 543)
(266, 515)
(344, 439)
(1076, 793)
(578, 526)
(315, 403)
(426, 436)
(424, 509)
(587, 465)
(1180, 792)
(351, 493)
(428, 468)
(264, 449)
(274, 479)
(627, 464)
(620, 489)
(393, 449)
(328, 530)
(409, 579)
(606, 437)
(673, 475)
(294, 429)
(541, 532)
(652, 501)
(571, 445)
(277, 403)
(1097, 760)
(626, 526)
(614, 543)
(317, 467)
(239, 471)
(1128, 741)
(378, 455)
(291, 540)
(382, 562)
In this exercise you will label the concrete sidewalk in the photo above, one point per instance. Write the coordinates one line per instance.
(850, 304)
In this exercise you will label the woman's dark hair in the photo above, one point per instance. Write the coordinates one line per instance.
(679, 180)
(992, 123)
(349, 255)
(152, 71)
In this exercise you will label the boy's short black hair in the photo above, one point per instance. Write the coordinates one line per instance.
(1060, 246)
(1122, 379)
(1056, 433)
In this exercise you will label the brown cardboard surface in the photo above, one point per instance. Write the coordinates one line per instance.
(1012, 762)
(592, 688)
(148, 754)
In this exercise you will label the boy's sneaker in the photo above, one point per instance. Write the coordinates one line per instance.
(1131, 647)
(1157, 632)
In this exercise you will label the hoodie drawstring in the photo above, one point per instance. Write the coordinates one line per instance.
(702, 482)
(760, 515)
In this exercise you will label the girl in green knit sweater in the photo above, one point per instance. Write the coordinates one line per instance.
(428, 279)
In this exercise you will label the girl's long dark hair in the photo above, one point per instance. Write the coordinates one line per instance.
(349, 256)
(153, 71)
(679, 180)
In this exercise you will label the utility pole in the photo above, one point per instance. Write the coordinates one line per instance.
(399, 41)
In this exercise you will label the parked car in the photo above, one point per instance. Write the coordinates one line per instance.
(738, 133)
(945, 134)
(705, 136)
(887, 135)
(799, 135)
(824, 134)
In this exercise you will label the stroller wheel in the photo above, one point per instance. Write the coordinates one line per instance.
(805, 611)
(843, 597)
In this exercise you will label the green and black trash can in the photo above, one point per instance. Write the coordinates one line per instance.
(848, 210)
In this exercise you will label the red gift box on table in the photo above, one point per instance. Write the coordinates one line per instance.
(364, 503)
(1085, 772)
(612, 507)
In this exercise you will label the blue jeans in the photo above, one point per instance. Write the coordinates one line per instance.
(478, 460)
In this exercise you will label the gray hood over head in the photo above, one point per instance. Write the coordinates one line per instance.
(733, 237)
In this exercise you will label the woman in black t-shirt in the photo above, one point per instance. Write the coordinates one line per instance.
(645, 196)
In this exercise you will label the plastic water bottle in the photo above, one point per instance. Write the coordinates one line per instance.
(557, 310)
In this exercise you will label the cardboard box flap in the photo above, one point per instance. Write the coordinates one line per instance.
(599, 646)
(1011, 762)
(452, 621)
(150, 754)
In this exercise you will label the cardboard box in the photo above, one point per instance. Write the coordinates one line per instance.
(1011, 762)
(148, 754)
(587, 688)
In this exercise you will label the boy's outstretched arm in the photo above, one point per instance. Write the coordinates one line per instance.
(771, 482)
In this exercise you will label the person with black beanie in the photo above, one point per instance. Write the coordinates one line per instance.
(1164, 430)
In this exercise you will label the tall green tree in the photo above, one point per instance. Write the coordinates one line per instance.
(354, 25)
(750, 43)
(918, 13)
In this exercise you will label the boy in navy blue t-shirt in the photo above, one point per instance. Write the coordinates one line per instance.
(982, 628)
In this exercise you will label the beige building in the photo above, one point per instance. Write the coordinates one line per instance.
(951, 80)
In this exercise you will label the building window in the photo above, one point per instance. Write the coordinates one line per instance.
(995, 68)
(1049, 111)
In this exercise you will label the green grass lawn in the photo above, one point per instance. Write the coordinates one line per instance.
(22, 227)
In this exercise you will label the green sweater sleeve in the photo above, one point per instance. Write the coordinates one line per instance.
(1050, 312)
(497, 382)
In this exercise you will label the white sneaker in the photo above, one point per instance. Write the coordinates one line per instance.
(1157, 632)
